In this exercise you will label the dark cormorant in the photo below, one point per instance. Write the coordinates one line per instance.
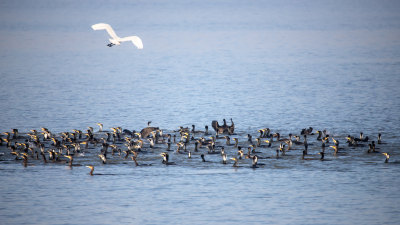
(166, 159)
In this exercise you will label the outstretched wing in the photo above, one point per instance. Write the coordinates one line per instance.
(108, 28)
(135, 40)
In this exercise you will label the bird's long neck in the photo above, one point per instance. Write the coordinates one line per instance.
(255, 159)
(235, 164)
(44, 157)
(387, 159)
(134, 159)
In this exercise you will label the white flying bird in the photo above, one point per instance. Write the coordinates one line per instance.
(115, 40)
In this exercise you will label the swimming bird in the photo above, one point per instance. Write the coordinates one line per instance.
(306, 131)
(240, 152)
(134, 159)
(249, 139)
(168, 146)
(236, 141)
(362, 139)
(126, 154)
(334, 148)
(44, 157)
(236, 162)
(322, 156)
(15, 133)
(248, 155)
(90, 130)
(219, 129)
(196, 145)
(151, 141)
(17, 156)
(100, 127)
(103, 158)
(372, 148)
(24, 156)
(222, 150)
(70, 159)
(266, 133)
(282, 149)
(231, 128)
(336, 142)
(223, 158)
(269, 143)
(196, 131)
(145, 132)
(253, 149)
(228, 140)
(115, 40)
(297, 141)
(91, 170)
(261, 131)
(353, 142)
(387, 157)
(166, 159)
(255, 162)
(224, 128)
(319, 138)
(202, 158)
(180, 146)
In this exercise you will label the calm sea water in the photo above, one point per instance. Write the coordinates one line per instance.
(285, 65)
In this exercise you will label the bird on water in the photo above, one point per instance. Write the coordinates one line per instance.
(29, 146)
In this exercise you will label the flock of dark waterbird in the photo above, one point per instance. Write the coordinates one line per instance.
(124, 145)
